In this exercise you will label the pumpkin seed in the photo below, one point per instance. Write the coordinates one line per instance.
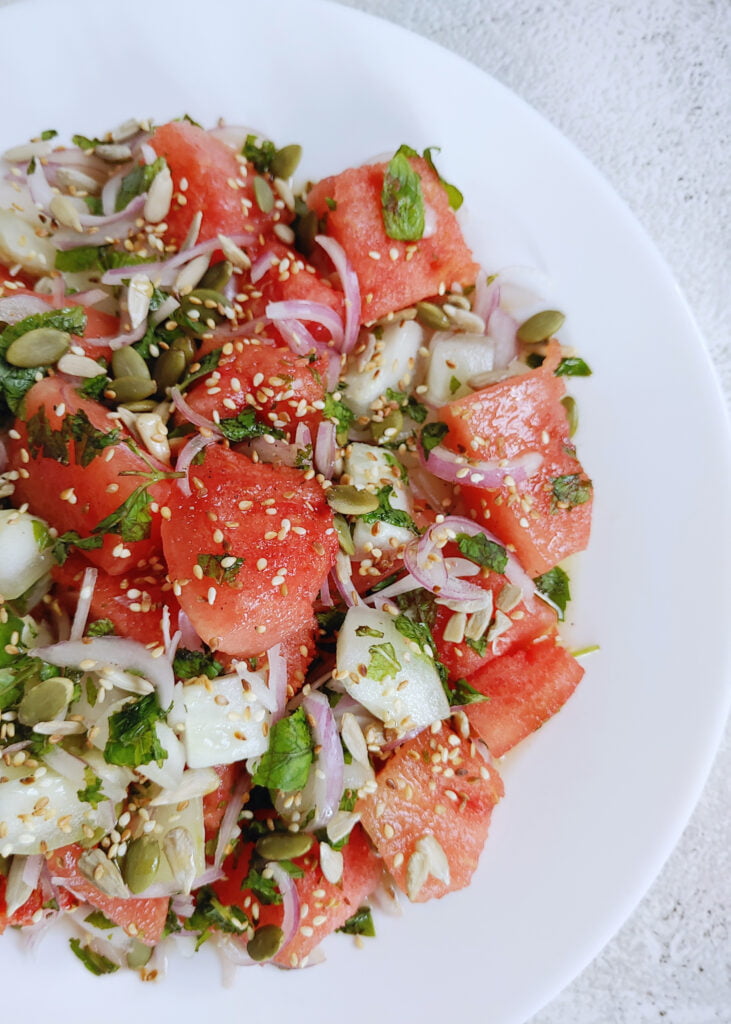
(141, 863)
(263, 195)
(572, 413)
(103, 873)
(389, 427)
(217, 276)
(345, 538)
(145, 405)
(113, 153)
(350, 501)
(540, 326)
(139, 955)
(41, 347)
(266, 943)
(185, 345)
(169, 368)
(94, 839)
(204, 304)
(283, 845)
(430, 315)
(286, 161)
(131, 389)
(47, 701)
(127, 362)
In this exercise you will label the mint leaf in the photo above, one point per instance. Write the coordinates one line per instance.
(454, 196)
(133, 738)
(337, 411)
(210, 914)
(432, 435)
(383, 663)
(191, 664)
(361, 923)
(100, 627)
(462, 693)
(569, 490)
(94, 387)
(259, 153)
(131, 520)
(92, 791)
(265, 889)
(572, 366)
(286, 764)
(99, 920)
(94, 962)
(16, 381)
(482, 551)
(553, 586)
(386, 514)
(212, 567)
(201, 369)
(478, 645)
(402, 201)
(137, 181)
(245, 426)
(71, 539)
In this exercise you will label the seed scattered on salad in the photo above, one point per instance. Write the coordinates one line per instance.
(286, 480)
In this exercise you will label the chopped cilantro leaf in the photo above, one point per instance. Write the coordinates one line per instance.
(133, 739)
(553, 586)
(386, 514)
(336, 410)
(286, 764)
(265, 889)
(259, 152)
(214, 569)
(92, 791)
(402, 201)
(482, 551)
(92, 961)
(432, 435)
(361, 923)
(245, 426)
(408, 405)
(383, 663)
(191, 664)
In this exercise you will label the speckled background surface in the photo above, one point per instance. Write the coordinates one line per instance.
(643, 88)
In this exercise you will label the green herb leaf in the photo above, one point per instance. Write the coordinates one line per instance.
(92, 791)
(408, 405)
(386, 514)
(16, 381)
(417, 632)
(420, 605)
(402, 201)
(330, 620)
(464, 693)
(44, 440)
(383, 663)
(49, 133)
(361, 923)
(84, 143)
(569, 490)
(265, 889)
(99, 920)
(205, 366)
(131, 520)
(88, 440)
(191, 664)
(94, 387)
(432, 435)
(133, 739)
(137, 181)
(211, 566)
(348, 800)
(554, 587)
(482, 551)
(286, 764)
(94, 962)
(172, 924)
(8, 630)
(211, 915)
(100, 627)
(260, 153)
(454, 195)
(336, 410)
(454, 385)
(71, 539)
(245, 426)
(369, 631)
(572, 366)
(478, 645)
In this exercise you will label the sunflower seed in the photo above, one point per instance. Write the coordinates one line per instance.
(113, 153)
(233, 253)
(157, 204)
(139, 294)
(65, 212)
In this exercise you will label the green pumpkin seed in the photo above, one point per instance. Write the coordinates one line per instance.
(139, 955)
(306, 227)
(350, 501)
(203, 304)
(286, 161)
(141, 863)
(217, 276)
(263, 195)
(47, 701)
(389, 427)
(430, 315)
(540, 326)
(95, 838)
(284, 845)
(144, 405)
(41, 347)
(572, 413)
(169, 368)
(131, 389)
(266, 943)
(127, 362)
(345, 538)
(185, 345)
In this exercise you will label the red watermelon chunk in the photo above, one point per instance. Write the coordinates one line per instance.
(392, 274)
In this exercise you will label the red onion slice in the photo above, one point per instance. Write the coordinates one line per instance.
(14, 308)
(457, 469)
(189, 451)
(503, 330)
(163, 272)
(329, 765)
(312, 312)
(83, 606)
(40, 191)
(343, 576)
(121, 340)
(351, 289)
(110, 191)
(325, 595)
(188, 636)
(191, 415)
(297, 336)
(228, 828)
(262, 265)
(486, 298)
(325, 449)
(65, 764)
(277, 680)
(402, 586)
(119, 652)
(290, 901)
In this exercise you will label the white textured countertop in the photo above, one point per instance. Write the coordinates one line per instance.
(643, 87)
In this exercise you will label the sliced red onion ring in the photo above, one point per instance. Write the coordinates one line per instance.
(456, 469)
(325, 449)
(312, 312)
(329, 765)
(40, 191)
(277, 680)
(503, 330)
(262, 265)
(119, 652)
(188, 636)
(114, 227)
(110, 191)
(297, 336)
(402, 586)
(486, 298)
(271, 451)
(121, 340)
(14, 308)
(189, 451)
(325, 595)
(290, 901)
(164, 271)
(343, 576)
(83, 605)
(191, 415)
(91, 297)
(228, 828)
(351, 289)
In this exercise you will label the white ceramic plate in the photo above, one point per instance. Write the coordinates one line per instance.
(596, 801)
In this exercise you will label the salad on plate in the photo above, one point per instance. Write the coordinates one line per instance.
(287, 482)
